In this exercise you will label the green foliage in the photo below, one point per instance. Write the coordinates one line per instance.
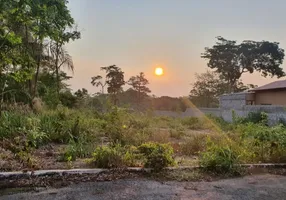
(114, 156)
(36, 137)
(139, 84)
(158, 156)
(11, 124)
(194, 144)
(80, 148)
(231, 60)
(177, 133)
(209, 86)
(257, 117)
(32, 35)
(220, 158)
(114, 81)
(266, 143)
(114, 127)
(192, 122)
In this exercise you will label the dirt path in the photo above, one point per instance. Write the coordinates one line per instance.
(251, 187)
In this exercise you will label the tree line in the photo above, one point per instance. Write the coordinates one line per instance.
(33, 35)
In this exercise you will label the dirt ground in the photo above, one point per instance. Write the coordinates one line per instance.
(262, 187)
(48, 156)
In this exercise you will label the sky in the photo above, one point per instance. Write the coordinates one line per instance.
(138, 35)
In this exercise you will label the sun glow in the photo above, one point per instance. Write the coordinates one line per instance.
(159, 71)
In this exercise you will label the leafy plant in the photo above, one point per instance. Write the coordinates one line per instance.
(220, 158)
(113, 157)
(192, 123)
(194, 145)
(158, 156)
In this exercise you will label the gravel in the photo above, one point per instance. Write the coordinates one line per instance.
(250, 187)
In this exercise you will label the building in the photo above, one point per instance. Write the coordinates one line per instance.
(270, 94)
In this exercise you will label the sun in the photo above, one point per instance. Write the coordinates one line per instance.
(159, 71)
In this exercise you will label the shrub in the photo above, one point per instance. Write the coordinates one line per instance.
(113, 157)
(178, 131)
(220, 158)
(257, 117)
(194, 145)
(266, 143)
(36, 137)
(192, 123)
(70, 153)
(135, 137)
(81, 148)
(160, 136)
(114, 126)
(158, 156)
(11, 124)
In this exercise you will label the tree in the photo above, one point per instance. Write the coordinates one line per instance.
(168, 104)
(81, 93)
(114, 81)
(231, 60)
(97, 81)
(209, 86)
(139, 83)
(32, 38)
(59, 54)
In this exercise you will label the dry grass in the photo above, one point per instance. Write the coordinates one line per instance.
(160, 136)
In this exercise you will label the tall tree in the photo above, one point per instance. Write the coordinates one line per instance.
(231, 60)
(114, 81)
(139, 83)
(60, 55)
(209, 86)
(97, 81)
(27, 28)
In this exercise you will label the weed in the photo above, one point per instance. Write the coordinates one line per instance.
(192, 123)
(113, 157)
(194, 144)
(158, 156)
(220, 158)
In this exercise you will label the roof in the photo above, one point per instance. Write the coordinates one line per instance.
(271, 86)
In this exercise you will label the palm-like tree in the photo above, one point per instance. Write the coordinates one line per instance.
(59, 57)
(97, 81)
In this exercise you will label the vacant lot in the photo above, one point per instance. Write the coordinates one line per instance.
(119, 138)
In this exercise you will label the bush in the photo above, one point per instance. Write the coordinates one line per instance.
(252, 117)
(220, 158)
(114, 157)
(268, 144)
(194, 145)
(192, 123)
(82, 148)
(114, 126)
(177, 131)
(11, 124)
(158, 156)
(257, 117)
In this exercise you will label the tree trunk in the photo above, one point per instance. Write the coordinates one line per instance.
(57, 68)
(2, 98)
(37, 71)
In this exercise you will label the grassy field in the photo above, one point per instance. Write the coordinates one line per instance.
(65, 138)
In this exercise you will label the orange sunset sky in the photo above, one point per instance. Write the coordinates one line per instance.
(141, 35)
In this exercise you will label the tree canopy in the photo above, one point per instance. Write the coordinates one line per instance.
(114, 81)
(139, 84)
(209, 86)
(32, 38)
(231, 59)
